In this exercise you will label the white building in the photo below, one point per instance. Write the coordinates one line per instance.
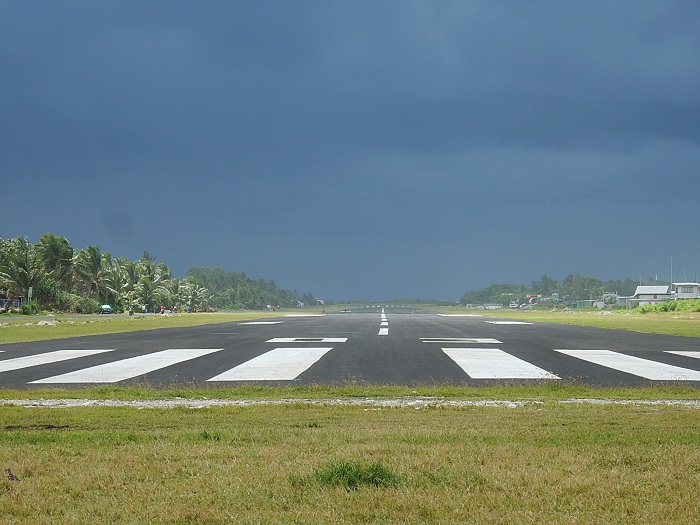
(687, 290)
(645, 295)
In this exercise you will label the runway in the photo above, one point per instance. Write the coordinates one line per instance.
(366, 346)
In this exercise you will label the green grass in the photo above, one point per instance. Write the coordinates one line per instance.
(541, 463)
(31, 328)
(538, 391)
(669, 323)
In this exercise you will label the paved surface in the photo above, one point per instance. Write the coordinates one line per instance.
(371, 345)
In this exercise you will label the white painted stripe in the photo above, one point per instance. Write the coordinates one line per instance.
(507, 322)
(42, 359)
(262, 322)
(492, 363)
(280, 364)
(695, 355)
(131, 367)
(307, 340)
(461, 340)
(634, 365)
(383, 331)
(384, 323)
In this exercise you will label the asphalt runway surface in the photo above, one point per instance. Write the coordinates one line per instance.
(388, 346)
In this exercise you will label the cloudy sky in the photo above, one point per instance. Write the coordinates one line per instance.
(358, 149)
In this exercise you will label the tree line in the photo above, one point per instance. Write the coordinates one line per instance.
(571, 288)
(59, 277)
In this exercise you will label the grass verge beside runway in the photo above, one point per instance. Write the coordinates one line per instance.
(667, 323)
(41, 328)
(543, 462)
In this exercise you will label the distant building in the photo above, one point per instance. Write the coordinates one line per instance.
(687, 290)
(647, 295)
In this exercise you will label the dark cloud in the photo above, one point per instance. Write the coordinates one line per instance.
(357, 149)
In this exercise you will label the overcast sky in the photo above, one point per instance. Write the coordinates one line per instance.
(359, 149)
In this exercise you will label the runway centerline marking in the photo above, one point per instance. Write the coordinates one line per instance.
(130, 367)
(280, 364)
(48, 357)
(634, 365)
(493, 363)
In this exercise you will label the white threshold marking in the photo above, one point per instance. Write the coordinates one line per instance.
(507, 322)
(280, 364)
(461, 340)
(131, 367)
(262, 322)
(48, 357)
(384, 323)
(684, 353)
(383, 331)
(307, 340)
(493, 363)
(634, 365)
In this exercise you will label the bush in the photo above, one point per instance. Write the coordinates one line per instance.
(680, 305)
(85, 305)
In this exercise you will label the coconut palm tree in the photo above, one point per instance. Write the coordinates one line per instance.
(57, 256)
(21, 267)
(91, 269)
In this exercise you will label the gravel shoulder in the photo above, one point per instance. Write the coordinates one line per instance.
(411, 402)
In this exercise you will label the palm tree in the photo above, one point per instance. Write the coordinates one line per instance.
(195, 295)
(90, 267)
(57, 256)
(21, 267)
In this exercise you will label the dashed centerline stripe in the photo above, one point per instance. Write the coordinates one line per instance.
(384, 324)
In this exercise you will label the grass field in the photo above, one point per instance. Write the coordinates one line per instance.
(545, 459)
(669, 323)
(33, 328)
(542, 462)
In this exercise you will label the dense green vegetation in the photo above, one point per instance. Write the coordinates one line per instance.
(571, 288)
(62, 278)
(687, 305)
